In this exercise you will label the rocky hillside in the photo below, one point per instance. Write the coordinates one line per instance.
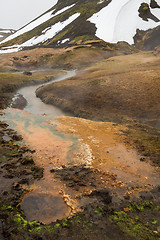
(148, 40)
(74, 22)
(4, 33)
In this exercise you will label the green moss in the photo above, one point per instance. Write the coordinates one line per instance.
(19, 220)
(65, 222)
(140, 206)
(57, 225)
(99, 210)
(49, 229)
(136, 222)
(131, 226)
(157, 208)
(146, 139)
(154, 222)
(36, 230)
(4, 207)
(77, 219)
(145, 7)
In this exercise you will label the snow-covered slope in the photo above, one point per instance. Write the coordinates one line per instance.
(37, 22)
(120, 19)
(76, 21)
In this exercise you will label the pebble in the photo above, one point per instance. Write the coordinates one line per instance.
(6, 138)
(126, 209)
(146, 196)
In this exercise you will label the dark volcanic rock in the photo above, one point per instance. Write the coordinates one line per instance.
(19, 103)
(27, 73)
(146, 196)
(145, 13)
(154, 4)
(103, 194)
(148, 40)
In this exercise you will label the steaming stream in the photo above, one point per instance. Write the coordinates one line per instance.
(34, 104)
(43, 203)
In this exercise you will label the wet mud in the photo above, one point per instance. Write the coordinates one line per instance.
(79, 158)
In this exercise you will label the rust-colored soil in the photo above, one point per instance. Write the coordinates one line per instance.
(109, 152)
(69, 142)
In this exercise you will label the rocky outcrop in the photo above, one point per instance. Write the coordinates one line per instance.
(148, 40)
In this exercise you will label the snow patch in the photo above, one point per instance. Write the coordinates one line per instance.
(1, 36)
(5, 31)
(46, 29)
(63, 10)
(119, 20)
(101, 1)
(50, 33)
(11, 50)
(36, 23)
(65, 40)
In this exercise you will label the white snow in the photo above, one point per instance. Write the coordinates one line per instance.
(50, 33)
(100, 2)
(119, 20)
(5, 31)
(36, 23)
(1, 36)
(65, 40)
(46, 29)
(64, 9)
(10, 50)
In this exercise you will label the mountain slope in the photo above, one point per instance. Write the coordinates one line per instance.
(74, 21)
(4, 33)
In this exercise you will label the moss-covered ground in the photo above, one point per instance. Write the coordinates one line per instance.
(134, 221)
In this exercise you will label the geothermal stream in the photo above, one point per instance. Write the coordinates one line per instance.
(44, 202)
(97, 145)
(34, 104)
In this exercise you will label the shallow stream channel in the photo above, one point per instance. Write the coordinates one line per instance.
(44, 201)
(35, 105)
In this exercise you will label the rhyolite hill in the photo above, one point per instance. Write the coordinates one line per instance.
(73, 22)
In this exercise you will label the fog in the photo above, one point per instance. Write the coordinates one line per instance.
(15, 14)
